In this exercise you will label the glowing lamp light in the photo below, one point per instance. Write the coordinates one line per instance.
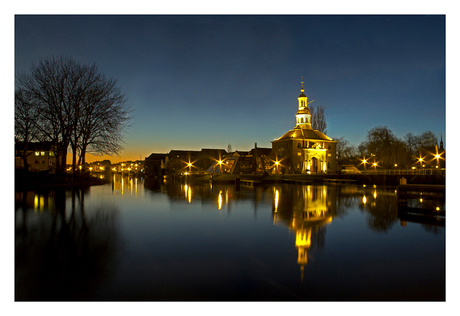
(437, 156)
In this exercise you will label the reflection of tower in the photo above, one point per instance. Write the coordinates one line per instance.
(309, 214)
(303, 243)
(305, 209)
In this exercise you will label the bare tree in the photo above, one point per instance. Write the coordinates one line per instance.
(385, 148)
(344, 149)
(77, 107)
(25, 130)
(412, 143)
(318, 119)
(428, 140)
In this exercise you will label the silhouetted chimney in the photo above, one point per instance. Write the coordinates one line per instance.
(255, 145)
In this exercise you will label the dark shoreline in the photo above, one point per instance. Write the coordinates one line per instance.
(24, 180)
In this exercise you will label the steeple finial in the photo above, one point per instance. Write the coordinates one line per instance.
(301, 90)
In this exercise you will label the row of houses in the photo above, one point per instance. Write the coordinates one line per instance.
(180, 162)
(129, 166)
(41, 157)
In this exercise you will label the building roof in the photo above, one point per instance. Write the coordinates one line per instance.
(156, 156)
(301, 133)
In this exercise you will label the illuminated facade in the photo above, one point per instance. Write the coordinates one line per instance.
(303, 149)
(40, 156)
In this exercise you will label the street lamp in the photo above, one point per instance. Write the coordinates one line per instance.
(364, 161)
(220, 166)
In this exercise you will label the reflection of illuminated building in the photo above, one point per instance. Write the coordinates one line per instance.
(126, 184)
(310, 211)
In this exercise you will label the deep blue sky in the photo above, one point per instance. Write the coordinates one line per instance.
(206, 81)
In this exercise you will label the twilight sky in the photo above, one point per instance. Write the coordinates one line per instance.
(206, 81)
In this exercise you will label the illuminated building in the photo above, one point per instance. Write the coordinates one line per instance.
(303, 149)
(40, 156)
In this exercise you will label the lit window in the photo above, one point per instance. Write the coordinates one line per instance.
(37, 153)
(42, 153)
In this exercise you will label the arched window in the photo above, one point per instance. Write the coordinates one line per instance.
(301, 120)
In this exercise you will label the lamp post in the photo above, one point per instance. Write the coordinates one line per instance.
(220, 166)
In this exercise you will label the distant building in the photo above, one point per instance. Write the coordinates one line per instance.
(302, 149)
(178, 162)
(254, 161)
(100, 166)
(133, 167)
(39, 156)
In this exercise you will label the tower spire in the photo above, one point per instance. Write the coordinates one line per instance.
(303, 117)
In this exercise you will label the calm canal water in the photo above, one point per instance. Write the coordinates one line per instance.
(136, 240)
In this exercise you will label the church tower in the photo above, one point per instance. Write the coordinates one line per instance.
(303, 116)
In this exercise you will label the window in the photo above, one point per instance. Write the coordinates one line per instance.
(37, 153)
(42, 153)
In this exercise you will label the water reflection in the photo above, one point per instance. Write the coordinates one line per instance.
(62, 248)
(305, 209)
(190, 241)
(126, 183)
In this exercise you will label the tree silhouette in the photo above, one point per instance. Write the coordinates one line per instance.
(76, 106)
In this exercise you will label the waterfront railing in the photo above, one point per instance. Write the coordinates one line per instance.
(424, 171)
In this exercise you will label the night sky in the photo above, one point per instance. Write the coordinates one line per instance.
(211, 80)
